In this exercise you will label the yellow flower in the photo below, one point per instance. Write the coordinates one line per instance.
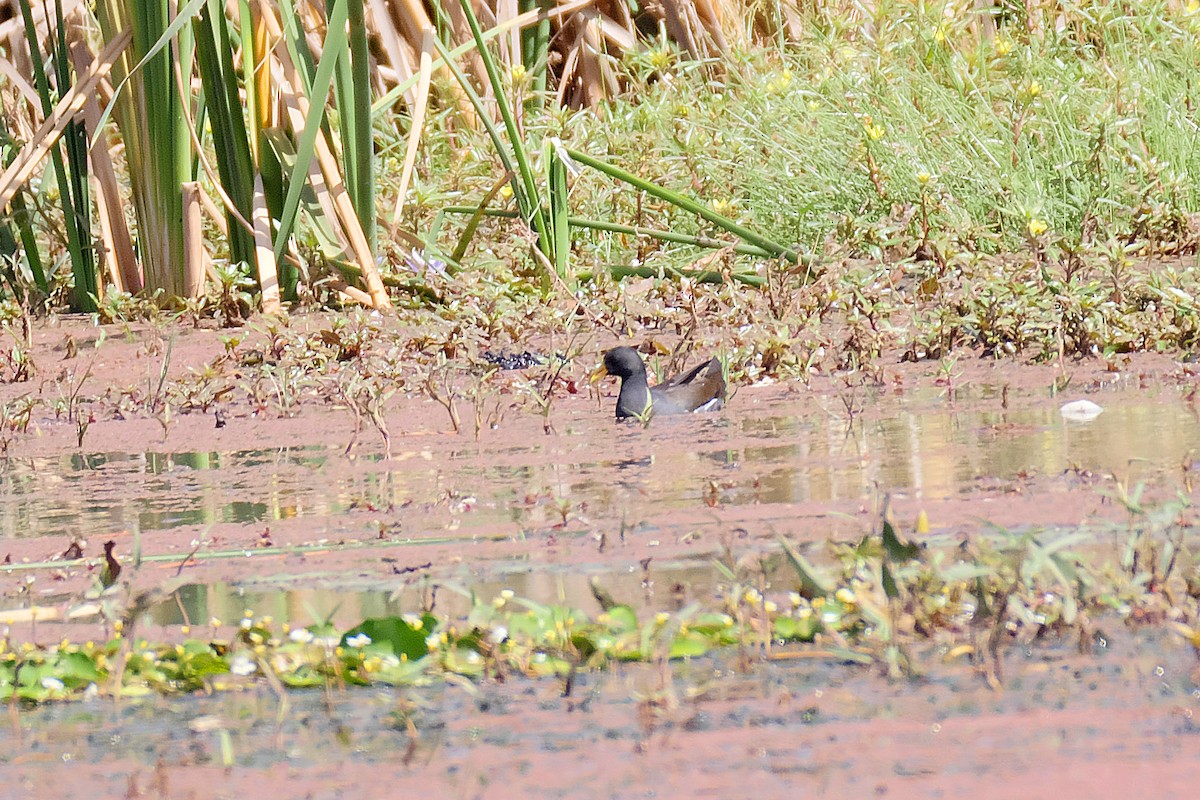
(506, 191)
(874, 130)
(1003, 46)
(1037, 227)
(1192, 7)
(780, 82)
(924, 178)
(660, 58)
(939, 34)
(812, 105)
(518, 74)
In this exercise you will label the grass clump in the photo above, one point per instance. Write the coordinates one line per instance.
(916, 138)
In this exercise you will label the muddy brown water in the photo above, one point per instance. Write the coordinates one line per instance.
(1118, 722)
(269, 515)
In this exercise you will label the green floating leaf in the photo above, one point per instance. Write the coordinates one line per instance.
(303, 678)
(406, 640)
(77, 669)
(204, 664)
(690, 645)
(796, 629)
(622, 619)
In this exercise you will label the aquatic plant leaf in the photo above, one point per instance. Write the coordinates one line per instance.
(200, 665)
(303, 678)
(690, 645)
(711, 623)
(622, 619)
(889, 583)
(77, 669)
(812, 583)
(897, 550)
(797, 629)
(406, 641)
(464, 661)
(847, 656)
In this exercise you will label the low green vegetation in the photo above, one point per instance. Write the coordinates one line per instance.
(882, 601)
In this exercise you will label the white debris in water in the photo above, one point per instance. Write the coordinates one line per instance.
(1080, 411)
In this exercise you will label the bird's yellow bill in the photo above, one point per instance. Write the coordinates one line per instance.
(598, 373)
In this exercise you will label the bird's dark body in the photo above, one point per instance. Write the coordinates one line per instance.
(701, 388)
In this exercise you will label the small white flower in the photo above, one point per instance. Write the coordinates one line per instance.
(302, 635)
(498, 634)
(433, 640)
(360, 640)
(413, 621)
(53, 684)
(242, 665)
(246, 624)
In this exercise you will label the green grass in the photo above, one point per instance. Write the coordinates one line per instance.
(1086, 137)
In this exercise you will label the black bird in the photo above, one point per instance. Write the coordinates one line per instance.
(700, 389)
